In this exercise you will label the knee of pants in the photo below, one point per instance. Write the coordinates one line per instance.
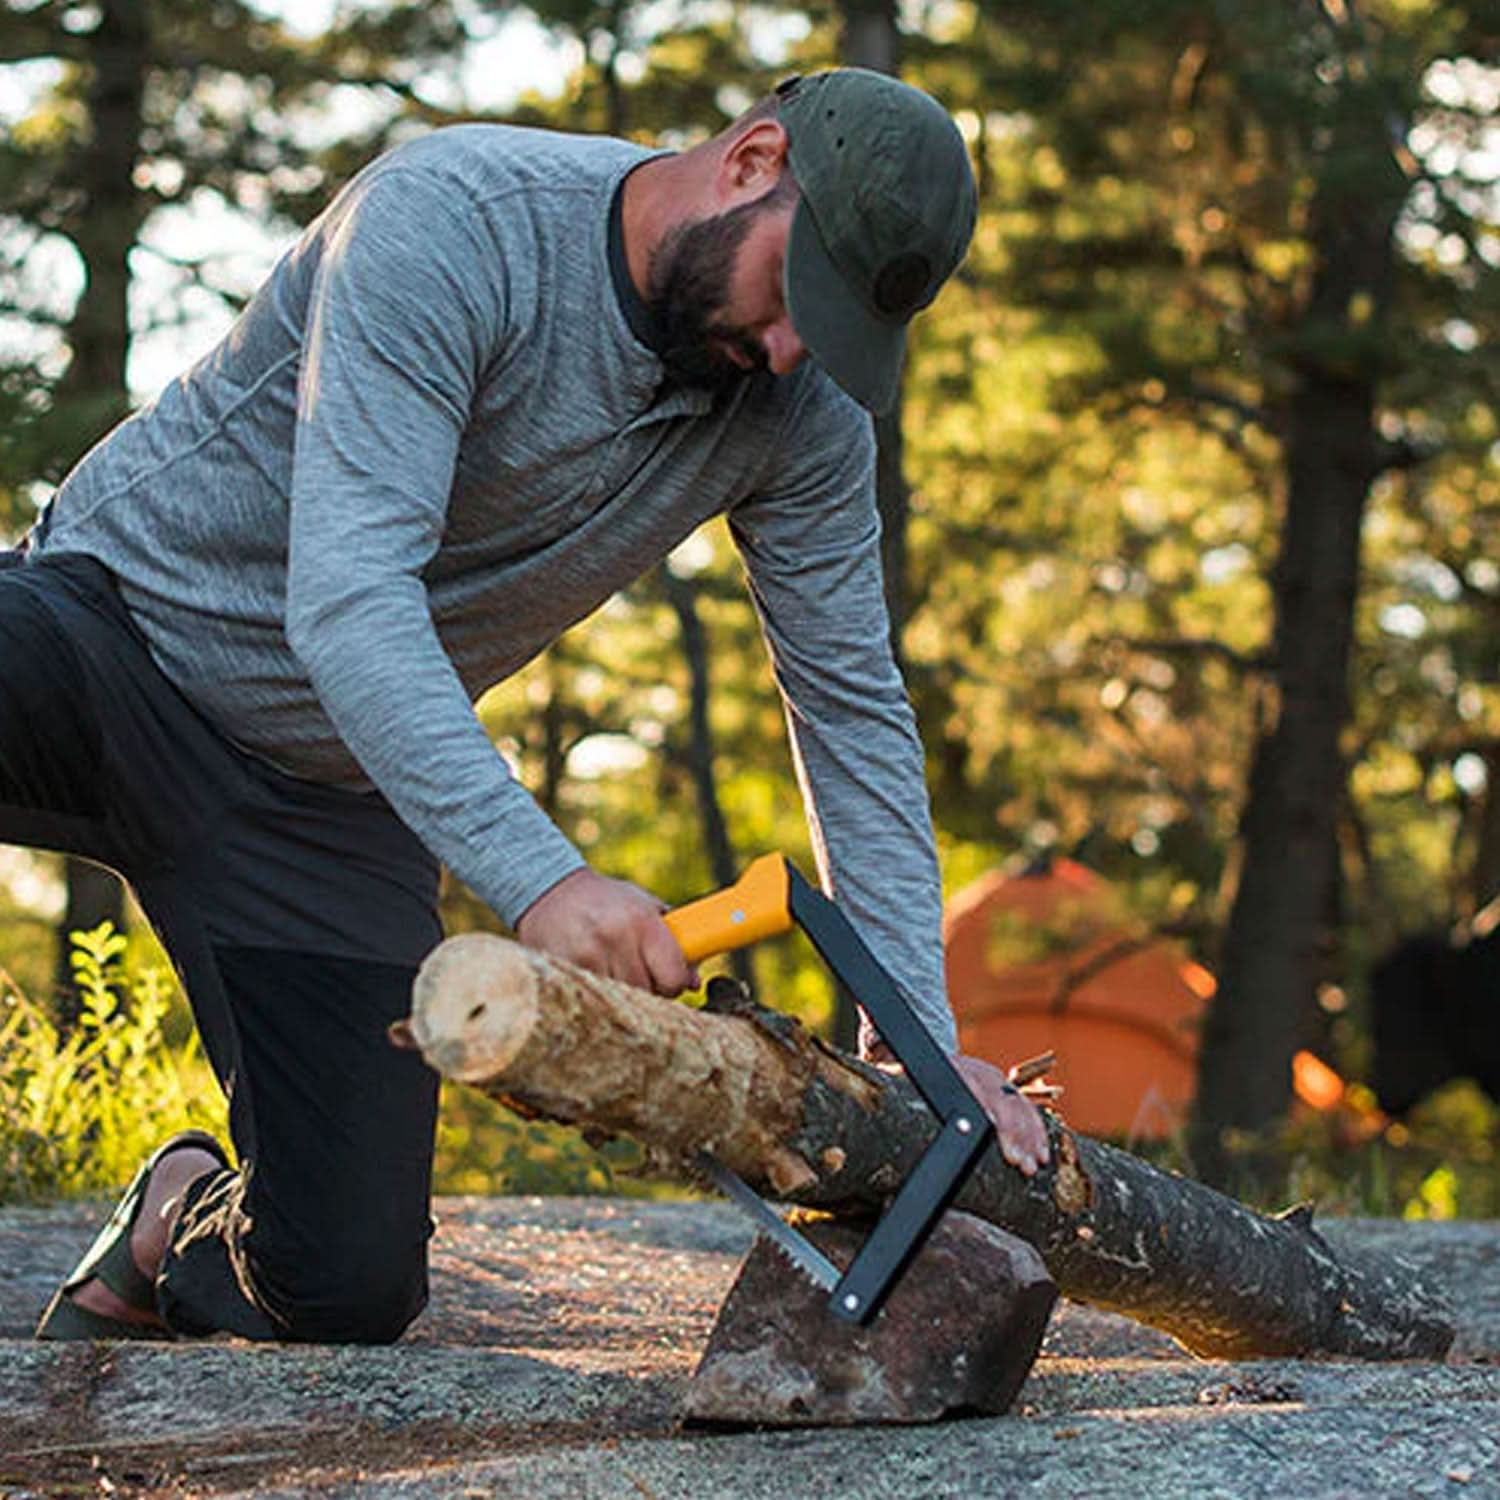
(365, 1294)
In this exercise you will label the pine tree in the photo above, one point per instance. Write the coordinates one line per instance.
(1198, 240)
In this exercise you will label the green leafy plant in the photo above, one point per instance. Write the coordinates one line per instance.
(78, 1111)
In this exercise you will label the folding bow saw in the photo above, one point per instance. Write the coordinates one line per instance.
(769, 898)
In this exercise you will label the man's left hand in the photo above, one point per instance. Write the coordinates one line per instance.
(1019, 1131)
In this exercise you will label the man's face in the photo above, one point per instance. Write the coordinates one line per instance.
(716, 292)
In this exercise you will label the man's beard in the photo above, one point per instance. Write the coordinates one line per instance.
(688, 286)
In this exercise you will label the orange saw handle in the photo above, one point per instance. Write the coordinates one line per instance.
(754, 907)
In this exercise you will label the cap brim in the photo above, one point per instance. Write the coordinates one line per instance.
(861, 352)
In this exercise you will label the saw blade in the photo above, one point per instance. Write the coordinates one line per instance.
(803, 1254)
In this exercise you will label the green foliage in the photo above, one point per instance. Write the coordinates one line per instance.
(1437, 1163)
(1097, 433)
(79, 1112)
(153, 118)
(1095, 426)
(26, 941)
(484, 1148)
(1444, 1157)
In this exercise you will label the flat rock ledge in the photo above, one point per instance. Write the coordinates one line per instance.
(556, 1353)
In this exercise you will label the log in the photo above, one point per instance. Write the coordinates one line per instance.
(804, 1123)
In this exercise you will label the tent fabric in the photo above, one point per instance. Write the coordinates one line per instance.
(1050, 960)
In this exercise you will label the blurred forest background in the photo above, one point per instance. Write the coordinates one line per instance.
(1192, 505)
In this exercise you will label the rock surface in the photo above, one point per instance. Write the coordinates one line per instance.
(958, 1333)
(562, 1333)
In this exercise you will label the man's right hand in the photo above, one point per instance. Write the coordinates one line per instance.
(611, 927)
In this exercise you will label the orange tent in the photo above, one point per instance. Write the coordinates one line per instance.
(1050, 960)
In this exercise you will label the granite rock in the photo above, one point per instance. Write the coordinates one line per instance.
(958, 1333)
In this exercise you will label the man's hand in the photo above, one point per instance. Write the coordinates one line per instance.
(611, 927)
(1019, 1130)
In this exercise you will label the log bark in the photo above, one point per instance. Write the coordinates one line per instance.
(809, 1125)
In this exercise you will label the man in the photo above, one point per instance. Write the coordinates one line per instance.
(504, 374)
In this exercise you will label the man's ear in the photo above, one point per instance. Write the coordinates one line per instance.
(752, 163)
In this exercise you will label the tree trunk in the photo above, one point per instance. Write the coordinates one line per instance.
(1279, 938)
(802, 1122)
(1484, 872)
(104, 227)
(1277, 927)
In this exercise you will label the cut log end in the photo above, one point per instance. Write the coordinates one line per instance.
(474, 1006)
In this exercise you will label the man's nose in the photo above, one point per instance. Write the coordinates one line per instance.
(784, 350)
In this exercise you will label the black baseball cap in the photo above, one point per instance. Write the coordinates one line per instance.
(886, 213)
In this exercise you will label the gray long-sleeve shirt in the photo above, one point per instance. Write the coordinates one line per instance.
(431, 444)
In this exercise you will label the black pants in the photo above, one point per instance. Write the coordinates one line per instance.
(295, 915)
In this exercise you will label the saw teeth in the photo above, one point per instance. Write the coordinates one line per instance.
(789, 1260)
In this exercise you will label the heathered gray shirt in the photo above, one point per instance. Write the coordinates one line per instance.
(430, 445)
